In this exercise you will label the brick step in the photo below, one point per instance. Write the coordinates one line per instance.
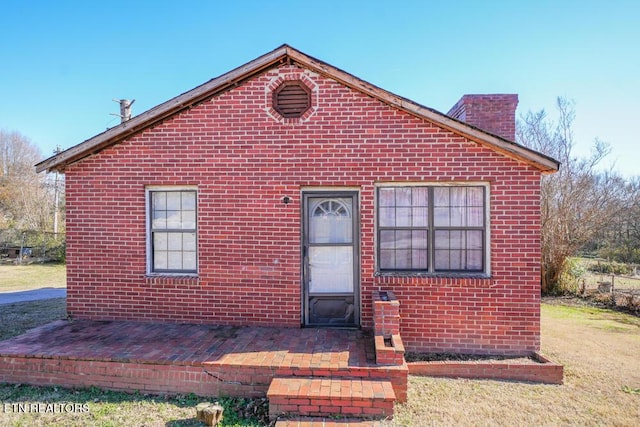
(326, 397)
(327, 422)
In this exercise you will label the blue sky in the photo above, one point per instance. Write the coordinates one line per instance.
(63, 62)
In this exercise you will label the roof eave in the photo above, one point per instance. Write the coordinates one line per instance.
(155, 115)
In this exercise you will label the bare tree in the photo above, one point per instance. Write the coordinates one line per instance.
(25, 200)
(620, 240)
(578, 201)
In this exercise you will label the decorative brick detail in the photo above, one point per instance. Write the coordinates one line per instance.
(330, 397)
(303, 76)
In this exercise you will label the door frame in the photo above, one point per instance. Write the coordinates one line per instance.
(304, 262)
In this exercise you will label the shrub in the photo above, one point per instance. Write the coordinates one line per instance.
(572, 273)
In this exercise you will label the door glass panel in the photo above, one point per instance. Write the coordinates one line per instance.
(330, 220)
(331, 269)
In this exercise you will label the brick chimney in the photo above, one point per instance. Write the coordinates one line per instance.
(494, 113)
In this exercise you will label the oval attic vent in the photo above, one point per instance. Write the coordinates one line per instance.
(292, 99)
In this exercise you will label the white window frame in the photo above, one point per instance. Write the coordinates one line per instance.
(148, 215)
(487, 231)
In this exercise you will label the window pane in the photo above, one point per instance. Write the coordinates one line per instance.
(474, 239)
(189, 241)
(188, 220)
(441, 239)
(387, 239)
(441, 217)
(173, 220)
(387, 217)
(457, 216)
(403, 217)
(174, 260)
(441, 260)
(160, 241)
(403, 259)
(387, 197)
(403, 196)
(173, 201)
(457, 240)
(419, 239)
(419, 217)
(458, 196)
(175, 241)
(159, 220)
(441, 196)
(387, 259)
(160, 260)
(159, 200)
(331, 269)
(419, 259)
(189, 200)
(420, 196)
(456, 260)
(474, 260)
(475, 196)
(330, 221)
(189, 260)
(475, 216)
(403, 239)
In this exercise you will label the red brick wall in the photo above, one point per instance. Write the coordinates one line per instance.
(494, 113)
(244, 161)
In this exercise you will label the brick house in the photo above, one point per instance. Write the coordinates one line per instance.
(285, 192)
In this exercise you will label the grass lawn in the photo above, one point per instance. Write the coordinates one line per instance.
(32, 276)
(17, 318)
(600, 350)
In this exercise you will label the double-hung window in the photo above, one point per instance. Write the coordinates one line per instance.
(432, 229)
(172, 231)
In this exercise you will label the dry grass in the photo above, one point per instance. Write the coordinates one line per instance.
(600, 352)
(95, 407)
(32, 276)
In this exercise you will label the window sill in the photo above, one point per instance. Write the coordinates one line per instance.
(432, 275)
(172, 279)
(149, 275)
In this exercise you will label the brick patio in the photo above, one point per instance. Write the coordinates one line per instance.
(202, 359)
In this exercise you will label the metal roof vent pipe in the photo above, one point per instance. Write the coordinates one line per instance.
(125, 109)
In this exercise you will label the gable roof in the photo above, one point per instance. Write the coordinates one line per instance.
(284, 54)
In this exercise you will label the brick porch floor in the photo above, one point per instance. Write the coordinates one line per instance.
(178, 358)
